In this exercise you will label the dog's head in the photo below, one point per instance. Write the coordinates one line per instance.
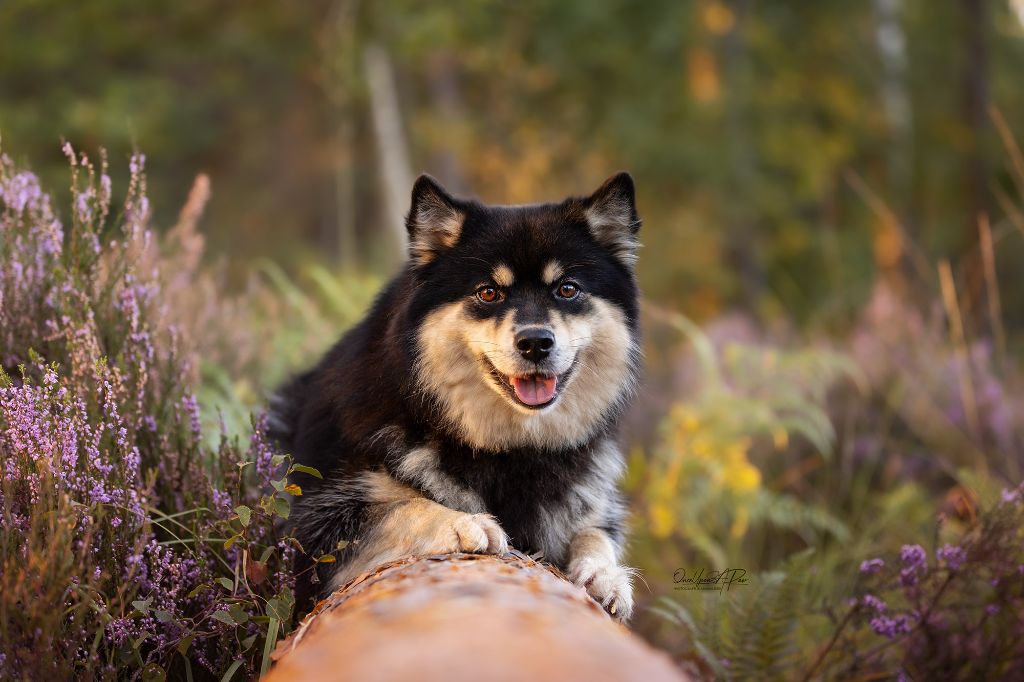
(526, 315)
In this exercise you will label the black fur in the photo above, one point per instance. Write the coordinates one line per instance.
(361, 406)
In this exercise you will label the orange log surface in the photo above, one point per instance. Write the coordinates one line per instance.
(462, 617)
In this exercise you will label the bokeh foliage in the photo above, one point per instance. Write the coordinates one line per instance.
(741, 120)
(833, 345)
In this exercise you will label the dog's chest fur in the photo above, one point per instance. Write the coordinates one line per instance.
(540, 498)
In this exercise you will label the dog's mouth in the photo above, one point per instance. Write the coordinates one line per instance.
(535, 390)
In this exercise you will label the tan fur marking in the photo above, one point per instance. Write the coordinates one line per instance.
(417, 527)
(611, 224)
(440, 228)
(503, 275)
(552, 271)
(379, 488)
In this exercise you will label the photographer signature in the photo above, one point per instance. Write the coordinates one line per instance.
(715, 581)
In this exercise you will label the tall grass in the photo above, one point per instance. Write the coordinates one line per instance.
(889, 459)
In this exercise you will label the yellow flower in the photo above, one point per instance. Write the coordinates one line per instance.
(742, 478)
(702, 448)
(662, 519)
(740, 523)
(738, 474)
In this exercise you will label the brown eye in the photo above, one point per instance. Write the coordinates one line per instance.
(488, 294)
(568, 290)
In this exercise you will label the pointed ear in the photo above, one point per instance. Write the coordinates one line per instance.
(611, 214)
(434, 221)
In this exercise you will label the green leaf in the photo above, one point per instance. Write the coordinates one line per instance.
(303, 469)
(266, 554)
(231, 671)
(342, 544)
(284, 507)
(279, 485)
(142, 605)
(280, 607)
(244, 514)
(268, 645)
(153, 673)
(163, 616)
(277, 460)
(227, 583)
(238, 614)
(248, 642)
(196, 590)
(224, 617)
(327, 559)
(185, 642)
(293, 489)
(231, 541)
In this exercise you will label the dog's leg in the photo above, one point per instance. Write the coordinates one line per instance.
(401, 522)
(593, 564)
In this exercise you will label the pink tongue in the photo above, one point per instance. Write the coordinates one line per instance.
(534, 390)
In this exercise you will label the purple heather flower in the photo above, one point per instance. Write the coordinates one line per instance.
(869, 566)
(191, 406)
(890, 627)
(953, 556)
(137, 163)
(874, 602)
(913, 556)
(915, 561)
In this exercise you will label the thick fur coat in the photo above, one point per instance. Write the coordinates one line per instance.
(476, 404)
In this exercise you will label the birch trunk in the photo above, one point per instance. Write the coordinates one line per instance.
(392, 150)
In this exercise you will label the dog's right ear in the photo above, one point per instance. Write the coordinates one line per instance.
(434, 221)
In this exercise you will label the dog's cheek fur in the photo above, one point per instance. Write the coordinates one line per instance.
(483, 417)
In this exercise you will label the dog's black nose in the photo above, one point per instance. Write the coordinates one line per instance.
(535, 343)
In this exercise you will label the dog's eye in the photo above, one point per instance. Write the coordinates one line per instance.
(489, 294)
(568, 290)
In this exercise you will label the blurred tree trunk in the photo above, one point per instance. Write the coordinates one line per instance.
(976, 101)
(744, 228)
(392, 149)
(889, 248)
(342, 56)
(464, 617)
(450, 111)
(892, 50)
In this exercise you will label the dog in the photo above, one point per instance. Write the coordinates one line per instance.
(476, 404)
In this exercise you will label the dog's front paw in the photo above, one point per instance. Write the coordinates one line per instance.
(480, 533)
(607, 582)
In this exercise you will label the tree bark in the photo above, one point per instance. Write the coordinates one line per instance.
(396, 173)
(462, 617)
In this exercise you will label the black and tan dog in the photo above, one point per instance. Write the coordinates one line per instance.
(477, 402)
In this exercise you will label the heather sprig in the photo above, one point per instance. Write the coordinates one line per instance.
(959, 616)
(128, 546)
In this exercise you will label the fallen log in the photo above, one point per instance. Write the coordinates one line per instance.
(462, 617)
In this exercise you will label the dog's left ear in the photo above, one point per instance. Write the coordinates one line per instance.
(612, 217)
(434, 221)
